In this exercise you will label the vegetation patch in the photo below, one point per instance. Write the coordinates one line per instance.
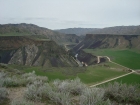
(129, 79)
(66, 92)
(123, 93)
(99, 73)
(89, 75)
(128, 57)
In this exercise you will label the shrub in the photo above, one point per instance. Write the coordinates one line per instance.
(123, 93)
(3, 93)
(21, 102)
(26, 75)
(14, 81)
(35, 91)
(2, 76)
(11, 81)
(61, 98)
(40, 90)
(91, 96)
(75, 86)
(20, 80)
(31, 77)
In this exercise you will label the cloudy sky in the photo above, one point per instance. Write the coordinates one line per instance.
(58, 14)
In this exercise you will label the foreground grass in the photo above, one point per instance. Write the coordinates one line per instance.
(96, 74)
(127, 57)
(88, 75)
(38, 89)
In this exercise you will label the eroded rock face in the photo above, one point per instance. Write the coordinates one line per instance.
(24, 55)
(24, 51)
(31, 52)
(17, 58)
(94, 41)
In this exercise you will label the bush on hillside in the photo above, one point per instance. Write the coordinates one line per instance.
(93, 96)
(75, 86)
(3, 93)
(61, 98)
(20, 80)
(11, 81)
(3, 90)
(2, 76)
(35, 91)
(123, 93)
(21, 102)
(31, 77)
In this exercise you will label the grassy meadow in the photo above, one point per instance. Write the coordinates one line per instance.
(127, 57)
(129, 79)
(89, 75)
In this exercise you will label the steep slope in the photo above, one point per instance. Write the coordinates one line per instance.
(87, 58)
(72, 38)
(30, 29)
(109, 41)
(27, 51)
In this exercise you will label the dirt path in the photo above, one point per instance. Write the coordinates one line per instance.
(111, 79)
(18, 94)
(98, 57)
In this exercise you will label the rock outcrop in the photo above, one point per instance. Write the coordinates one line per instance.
(27, 51)
(94, 41)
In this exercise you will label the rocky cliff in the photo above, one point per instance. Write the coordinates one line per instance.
(29, 51)
(93, 41)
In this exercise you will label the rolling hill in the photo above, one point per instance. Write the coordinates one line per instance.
(24, 29)
(117, 30)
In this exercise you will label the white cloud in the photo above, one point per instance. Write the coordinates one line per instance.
(56, 14)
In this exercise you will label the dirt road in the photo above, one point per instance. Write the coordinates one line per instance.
(98, 57)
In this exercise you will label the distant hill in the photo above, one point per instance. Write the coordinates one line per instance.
(77, 31)
(93, 41)
(24, 29)
(118, 30)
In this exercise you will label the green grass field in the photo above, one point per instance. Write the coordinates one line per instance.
(128, 58)
(129, 79)
(88, 75)
(98, 74)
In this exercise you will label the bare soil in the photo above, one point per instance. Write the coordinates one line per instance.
(18, 94)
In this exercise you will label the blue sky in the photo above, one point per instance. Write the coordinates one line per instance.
(58, 14)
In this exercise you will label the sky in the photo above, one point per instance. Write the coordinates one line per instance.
(60, 14)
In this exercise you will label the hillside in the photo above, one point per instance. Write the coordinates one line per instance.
(77, 31)
(24, 29)
(23, 50)
(93, 41)
(118, 30)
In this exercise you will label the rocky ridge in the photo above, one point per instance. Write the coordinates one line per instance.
(26, 51)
